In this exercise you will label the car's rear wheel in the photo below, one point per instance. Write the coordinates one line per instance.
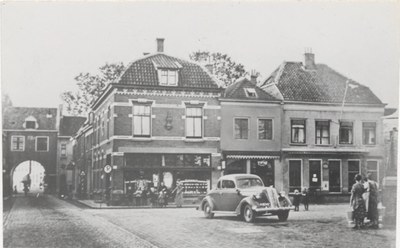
(207, 211)
(248, 213)
(283, 216)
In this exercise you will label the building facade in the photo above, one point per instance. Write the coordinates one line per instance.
(159, 122)
(30, 135)
(251, 133)
(331, 128)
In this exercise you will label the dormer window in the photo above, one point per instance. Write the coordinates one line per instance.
(168, 77)
(30, 123)
(251, 92)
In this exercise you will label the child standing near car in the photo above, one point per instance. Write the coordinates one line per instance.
(296, 200)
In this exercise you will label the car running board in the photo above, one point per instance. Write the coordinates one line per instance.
(223, 212)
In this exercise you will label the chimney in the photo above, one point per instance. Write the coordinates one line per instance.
(254, 76)
(210, 68)
(309, 61)
(160, 45)
(146, 54)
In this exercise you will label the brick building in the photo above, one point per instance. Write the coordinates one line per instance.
(159, 122)
(331, 127)
(251, 137)
(30, 134)
(69, 126)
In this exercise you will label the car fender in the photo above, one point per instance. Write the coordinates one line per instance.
(209, 200)
(247, 200)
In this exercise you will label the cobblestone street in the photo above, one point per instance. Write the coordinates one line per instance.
(50, 222)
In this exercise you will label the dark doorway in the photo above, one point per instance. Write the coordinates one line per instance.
(264, 169)
(334, 176)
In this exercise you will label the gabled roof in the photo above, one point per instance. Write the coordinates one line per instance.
(144, 72)
(69, 125)
(14, 117)
(238, 90)
(320, 85)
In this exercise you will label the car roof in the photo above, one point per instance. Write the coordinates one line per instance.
(238, 176)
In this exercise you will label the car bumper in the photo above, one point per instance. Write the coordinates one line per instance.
(265, 209)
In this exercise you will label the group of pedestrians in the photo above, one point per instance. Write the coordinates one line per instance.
(364, 201)
(159, 197)
(300, 197)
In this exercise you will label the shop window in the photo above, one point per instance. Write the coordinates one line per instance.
(294, 175)
(241, 128)
(369, 133)
(265, 129)
(353, 170)
(334, 176)
(42, 144)
(235, 166)
(168, 77)
(315, 174)
(298, 131)
(346, 132)
(17, 143)
(63, 150)
(322, 132)
(141, 120)
(194, 120)
(372, 168)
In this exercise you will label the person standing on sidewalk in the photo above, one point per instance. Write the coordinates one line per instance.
(373, 213)
(357, 202)
(178, 194)
(305, 198)
(296, 200)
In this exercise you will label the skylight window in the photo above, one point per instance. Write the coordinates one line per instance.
(250, 92)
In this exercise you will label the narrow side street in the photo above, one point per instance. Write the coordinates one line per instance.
(50, 222)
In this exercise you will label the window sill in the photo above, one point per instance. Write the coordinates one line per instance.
(297, 144)
(323, 145)
(188, 140)
(370, 145)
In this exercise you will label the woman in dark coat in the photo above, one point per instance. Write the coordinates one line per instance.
(357, 202)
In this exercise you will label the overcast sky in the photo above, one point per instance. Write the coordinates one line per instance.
(45, 45)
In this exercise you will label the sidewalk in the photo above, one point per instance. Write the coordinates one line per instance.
(96, 205)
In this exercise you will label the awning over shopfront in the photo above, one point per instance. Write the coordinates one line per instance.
(323, 151)
(251, 157)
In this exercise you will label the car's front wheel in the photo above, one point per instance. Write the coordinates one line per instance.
(283, 216)
(248, 213)
(207, 211)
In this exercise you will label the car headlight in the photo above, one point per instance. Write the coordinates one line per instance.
(258, 196)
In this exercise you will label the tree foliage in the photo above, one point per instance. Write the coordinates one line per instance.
(5, 101)
(90, 88)
(224, 68)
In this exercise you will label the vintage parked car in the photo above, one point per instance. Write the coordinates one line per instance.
(245, 195)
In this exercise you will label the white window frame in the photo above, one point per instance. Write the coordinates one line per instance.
(375, 133)
(23, 143)
(248, 128)
(352, 132)
(136, 104)
(305, 131)
(190, 117)
(36, 143)
(377, 168)
(250, 92)
(301, 171)
(272, 126)
(61, 150)
(165, 75)
(341, 176)
(321, 137)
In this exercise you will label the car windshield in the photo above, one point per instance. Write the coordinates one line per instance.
(249, 182)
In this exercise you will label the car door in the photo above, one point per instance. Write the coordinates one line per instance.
(216, 196)
(229, 196)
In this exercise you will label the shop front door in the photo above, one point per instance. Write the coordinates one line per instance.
(265, 170)
(315, 174)
(334, 176)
